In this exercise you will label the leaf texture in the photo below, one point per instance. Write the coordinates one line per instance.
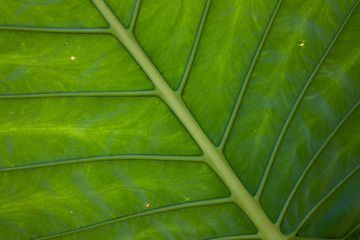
(182, 119)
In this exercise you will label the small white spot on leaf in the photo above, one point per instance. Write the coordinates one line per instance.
(302, 43)
(147, 204)
(72, 58)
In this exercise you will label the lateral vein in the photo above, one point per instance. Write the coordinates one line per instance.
(135, 16)
(185, 158)
(194, 49)
(297, 103)
(237, 237)
(81, 94)
(140, 214)
(56, 30)
(248, 77)
(323, 200)
(356, 228)
(312, 161)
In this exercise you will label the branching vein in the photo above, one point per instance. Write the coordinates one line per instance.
(323, 200)
(106, 158)
(355, 229)
(135, 16)
(237, 237)
(56, 30)
(141, 214)
(297, 103)
(195, 46)
(314, 238)
(82, 94)
(248, 76)
(312, 161)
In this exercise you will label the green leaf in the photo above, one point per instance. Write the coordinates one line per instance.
(217, 119)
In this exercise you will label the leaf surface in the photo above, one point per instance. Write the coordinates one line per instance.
(180, 119)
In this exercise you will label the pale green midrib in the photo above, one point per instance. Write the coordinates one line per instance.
(248, 77)
(140, 93)
(120, 157)
(297, 103)
(311, 163)
(142, 214)
(56, 30)
(213, 156)
(237, 237)
(323, 200)
(194, 49)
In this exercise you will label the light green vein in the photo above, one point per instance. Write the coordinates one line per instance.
(56, 30)
(194, 49)
(311, 163)
(134, 17)
(352, 231)
(178, 158)
(297, 103)
(214, 158)
(141, 214)
(237, 237)
(323, 200)
(311, 238)
(248, 77)
(82, 94)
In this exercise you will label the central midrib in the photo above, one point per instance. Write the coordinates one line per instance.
(214, 157)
